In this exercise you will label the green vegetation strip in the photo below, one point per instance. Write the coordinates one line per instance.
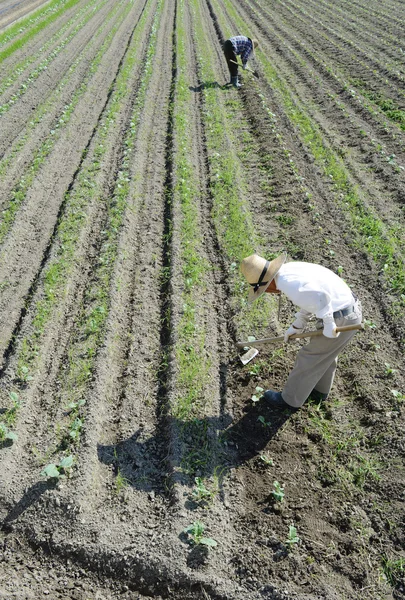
(90, 327)
(37, 28)
(232, 218)
(20, 191)
(382, 243)
(191, 359)
(16, 69)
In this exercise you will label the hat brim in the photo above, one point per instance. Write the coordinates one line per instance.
(271, 272)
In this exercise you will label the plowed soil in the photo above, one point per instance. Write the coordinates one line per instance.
(92, 300)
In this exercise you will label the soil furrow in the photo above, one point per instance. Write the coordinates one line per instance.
(36, 220)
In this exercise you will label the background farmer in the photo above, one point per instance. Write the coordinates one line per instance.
(315, 290)
(238, 45)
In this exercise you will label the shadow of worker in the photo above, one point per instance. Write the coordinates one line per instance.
(143, 462)
(249, 435)
(208, 85)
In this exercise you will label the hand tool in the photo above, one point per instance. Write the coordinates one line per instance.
(296, 336)
(255, 73)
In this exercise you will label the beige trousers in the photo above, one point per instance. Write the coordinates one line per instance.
(316, 362)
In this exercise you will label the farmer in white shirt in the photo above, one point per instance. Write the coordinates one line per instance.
(315, 290)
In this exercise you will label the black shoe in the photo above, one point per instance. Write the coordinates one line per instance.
(275, 399)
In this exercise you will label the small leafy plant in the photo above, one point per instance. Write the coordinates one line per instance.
(278, 492)
(389, 371)
(6, 434)
(195, 531)
(121, 482)
(58, 470)
(398, 396)
(263, 421)
(257, 395)
(267, 460)
(292, 537)
(202, 493)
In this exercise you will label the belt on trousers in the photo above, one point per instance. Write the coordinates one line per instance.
(345, 311)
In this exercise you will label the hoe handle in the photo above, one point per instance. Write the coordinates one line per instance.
(239, 65)
(297, 336)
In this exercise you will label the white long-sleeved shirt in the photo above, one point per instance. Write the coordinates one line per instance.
(314, 289)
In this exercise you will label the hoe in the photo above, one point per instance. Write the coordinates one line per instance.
(255, 73)
(247, 357)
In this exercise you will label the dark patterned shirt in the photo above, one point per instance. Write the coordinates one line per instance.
(243, 46)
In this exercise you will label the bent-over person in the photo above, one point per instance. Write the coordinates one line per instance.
(315, 290)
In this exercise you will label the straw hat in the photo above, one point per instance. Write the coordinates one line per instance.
(255, 43)
(260, 272)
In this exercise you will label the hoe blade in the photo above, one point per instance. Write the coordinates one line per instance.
(249, 355)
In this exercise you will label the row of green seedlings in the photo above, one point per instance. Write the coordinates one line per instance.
(92, 322)
(29, 21)
(20, 190)
(33, 26)
(205, 497)
(381, 106)
(384, 244)
(231, 214)
(16, 70)
(192, 362)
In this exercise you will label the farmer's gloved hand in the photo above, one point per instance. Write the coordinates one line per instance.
(291, 330)
(301, 321)
(329, 328)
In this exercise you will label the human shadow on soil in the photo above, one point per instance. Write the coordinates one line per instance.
(142, 464)
(207, 85)
(30, 497)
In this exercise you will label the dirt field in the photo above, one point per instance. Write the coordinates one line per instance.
(133, 181)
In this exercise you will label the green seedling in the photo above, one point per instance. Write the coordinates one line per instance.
(6, 434)
(23, 374)
(201, 493)
(339, 270)
(258, 394)
(389, 371)
(59, 470)
(394, 570)
(263, 421)
(75, 429)
(278, 492)
(292, 537)
(267, 461)
(195, 531)
(398, 396)
(255, 369)
(74, 406)
(121, 482)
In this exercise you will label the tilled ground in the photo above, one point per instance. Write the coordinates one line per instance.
(92, 300)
